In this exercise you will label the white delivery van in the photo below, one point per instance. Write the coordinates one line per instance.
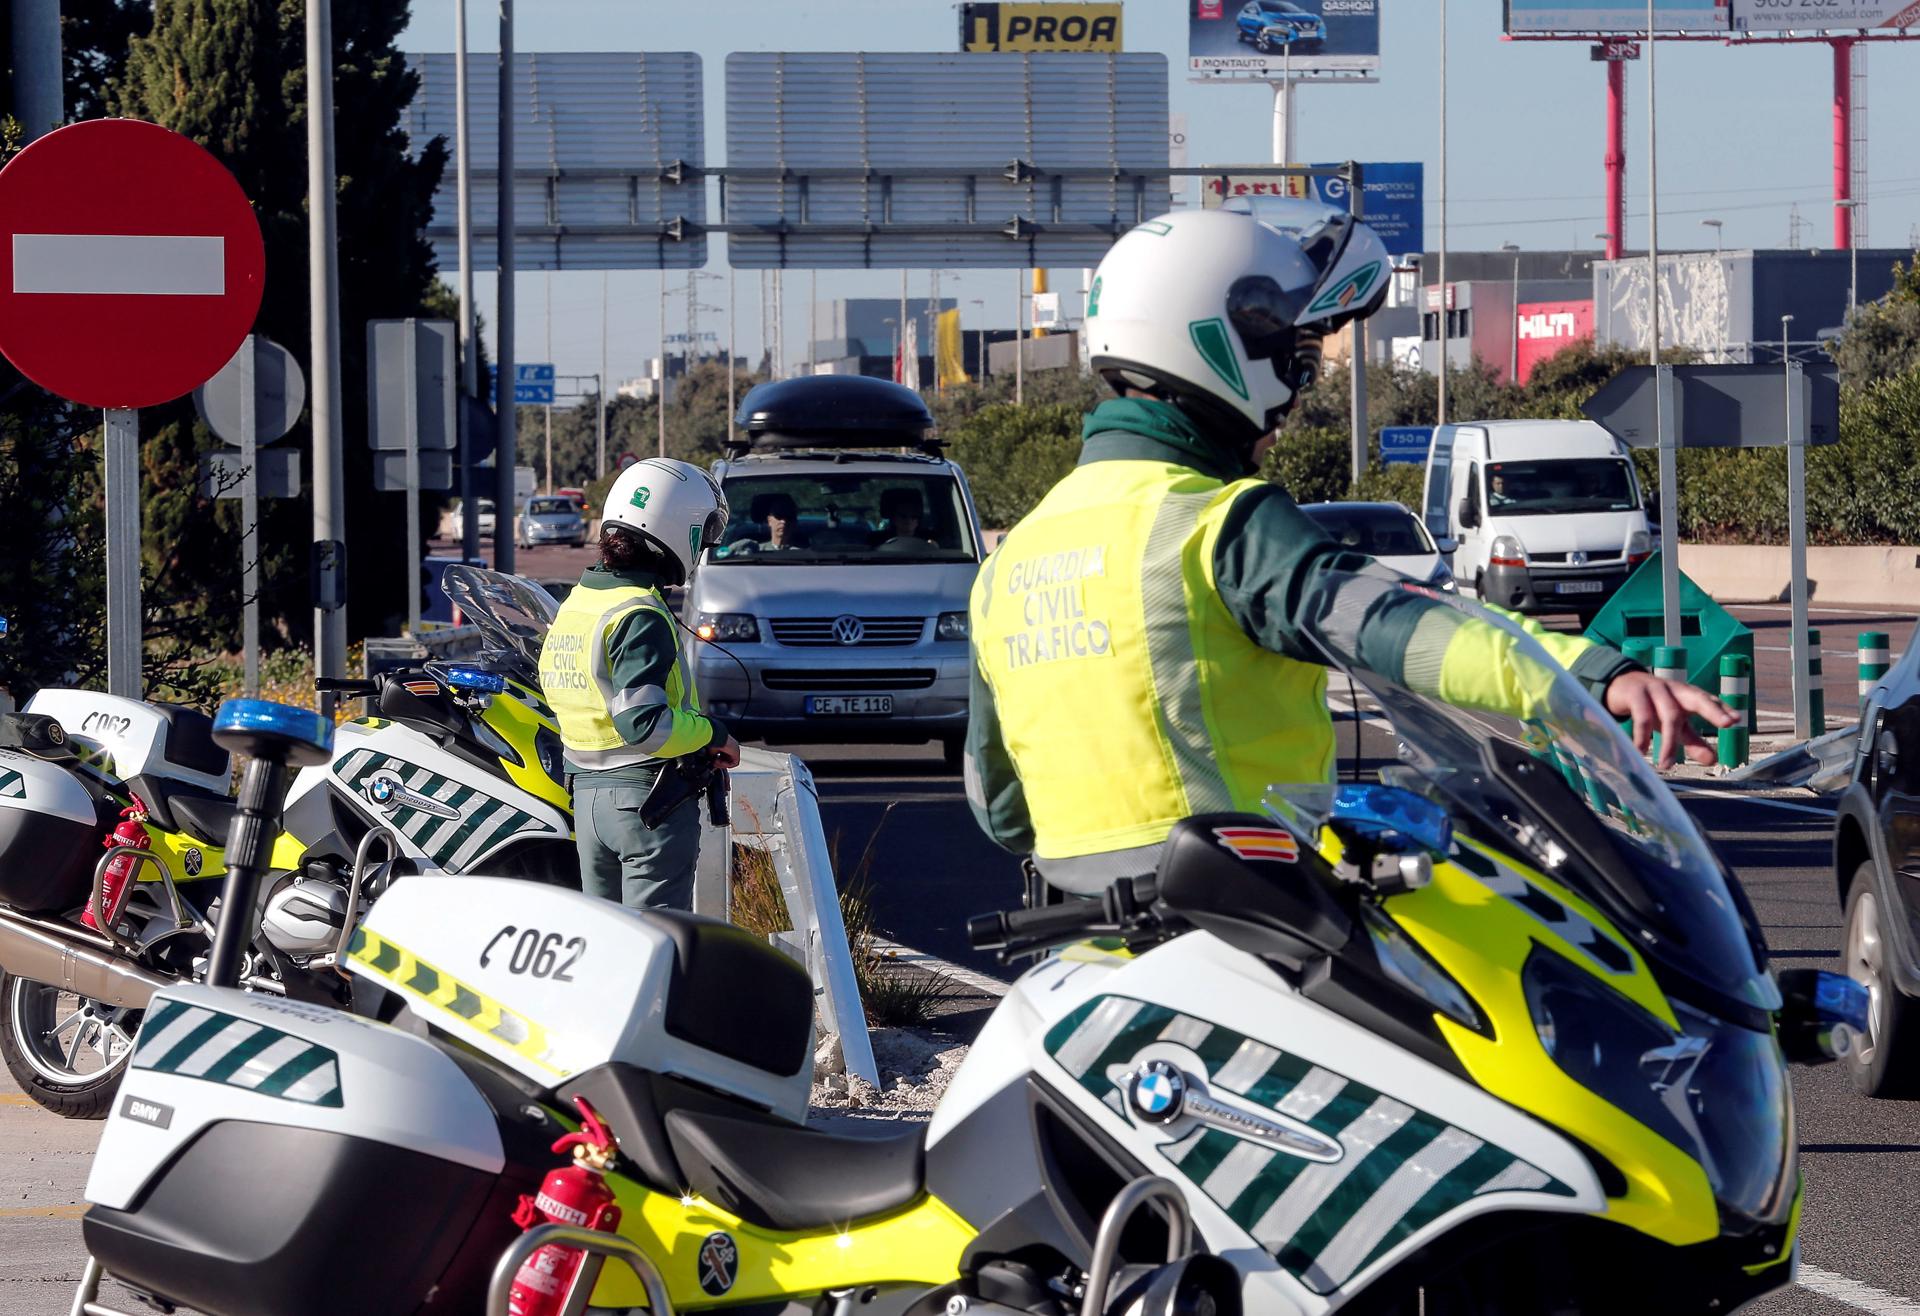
(1544, 515)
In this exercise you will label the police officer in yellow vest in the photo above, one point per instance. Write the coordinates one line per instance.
(611, 670)
(1138, 656)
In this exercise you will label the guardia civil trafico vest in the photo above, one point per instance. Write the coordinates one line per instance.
(1128, 696)
(576, 679)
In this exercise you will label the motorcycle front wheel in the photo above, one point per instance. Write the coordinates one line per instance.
(67, 1052)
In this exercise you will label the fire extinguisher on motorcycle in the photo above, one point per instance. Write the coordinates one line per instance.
(576, 1194)
(118, 883)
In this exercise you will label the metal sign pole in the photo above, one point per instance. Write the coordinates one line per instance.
(410, 368)
(123, 553)
(506, 413)
(1356, 205)
(469, 349)
(1797, 552)
(1666, 428)
(250, 515)
(323, 299)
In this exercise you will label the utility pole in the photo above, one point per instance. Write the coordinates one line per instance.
(323, 299)
(1668, 444)
(469, 344)
(660, 393)
(506, 454)
(730, 353)
(813, 322)
(600, 430)
(546, 291)
(39, 100)
(1019, 338)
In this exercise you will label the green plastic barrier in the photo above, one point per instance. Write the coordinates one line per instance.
(1707, 630)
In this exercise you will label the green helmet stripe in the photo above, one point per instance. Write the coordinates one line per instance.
(1216, 349)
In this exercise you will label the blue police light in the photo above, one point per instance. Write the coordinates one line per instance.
(1388, 813)
(3, 625)
(474, 678)
(260, 726)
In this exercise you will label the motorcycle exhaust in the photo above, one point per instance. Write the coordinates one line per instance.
(53, 954)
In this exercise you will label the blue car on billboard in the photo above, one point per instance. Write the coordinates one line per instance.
(1273, 24)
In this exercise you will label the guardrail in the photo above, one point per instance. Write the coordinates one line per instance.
(776, 810)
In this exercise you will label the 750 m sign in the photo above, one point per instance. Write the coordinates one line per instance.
(1084, 27)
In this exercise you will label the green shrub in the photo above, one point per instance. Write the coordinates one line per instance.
(1013, 455)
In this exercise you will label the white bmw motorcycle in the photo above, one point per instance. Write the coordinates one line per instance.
(1497, 1035)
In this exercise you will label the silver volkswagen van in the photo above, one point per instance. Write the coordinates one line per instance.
(835, 607)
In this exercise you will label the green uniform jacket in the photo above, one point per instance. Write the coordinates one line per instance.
(641, 652)
(1268, 557)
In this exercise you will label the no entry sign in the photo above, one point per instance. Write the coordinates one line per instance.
(131, 265)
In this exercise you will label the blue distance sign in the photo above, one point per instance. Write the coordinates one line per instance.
(1405, 443)
(1391, 199)
(532, 383)
(1610, 16)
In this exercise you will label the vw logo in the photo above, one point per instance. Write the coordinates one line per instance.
(849, 630)
(1157, 1090)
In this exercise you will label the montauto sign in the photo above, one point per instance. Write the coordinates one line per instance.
(1045, 27)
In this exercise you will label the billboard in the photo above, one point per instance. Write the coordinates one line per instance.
(1617, 16)
(1060, 26)
(1392, 198)
(1547, 327)
(1823, 15)
(1267, 38)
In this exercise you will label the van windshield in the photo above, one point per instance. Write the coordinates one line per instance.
(884, 517)
(1573, 484)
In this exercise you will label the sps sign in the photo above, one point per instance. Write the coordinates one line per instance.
(1547, 327)
(1047, 27)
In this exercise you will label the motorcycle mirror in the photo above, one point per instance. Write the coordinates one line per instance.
(1391, 819)
(1823, 1016)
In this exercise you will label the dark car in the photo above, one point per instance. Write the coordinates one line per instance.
(1877, 866)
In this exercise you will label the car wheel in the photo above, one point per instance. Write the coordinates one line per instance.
(1264, 44)
(1885, 1063)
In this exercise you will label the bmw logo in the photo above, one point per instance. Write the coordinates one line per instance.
(1157, 1091)
(381, 788)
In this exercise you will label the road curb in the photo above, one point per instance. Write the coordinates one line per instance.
(920, 959)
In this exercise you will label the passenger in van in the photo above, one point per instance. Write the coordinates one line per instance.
(781, 515)
(905, 516)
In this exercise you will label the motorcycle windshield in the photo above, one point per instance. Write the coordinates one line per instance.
(513, 613)
(1524, 755)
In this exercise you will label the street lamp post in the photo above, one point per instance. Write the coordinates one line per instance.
(1853, 252)
(980, 341)
(1716, 225)
(893, 329)
(1513, 319)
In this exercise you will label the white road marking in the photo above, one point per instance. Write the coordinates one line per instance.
(1745, 798)
(920, 959)
(115, 264)
(1854, 1293)
(1817, 610)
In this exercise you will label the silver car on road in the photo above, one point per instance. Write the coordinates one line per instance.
(835, 607)
(552, 519)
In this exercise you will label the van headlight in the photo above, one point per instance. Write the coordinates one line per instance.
(735, 627)
(1639, 547)
(1505, 551)
(950, 626)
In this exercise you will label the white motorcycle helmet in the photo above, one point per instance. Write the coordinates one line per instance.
(1222, 311)
(673, 505)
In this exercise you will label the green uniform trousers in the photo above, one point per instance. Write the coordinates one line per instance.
(621, 860)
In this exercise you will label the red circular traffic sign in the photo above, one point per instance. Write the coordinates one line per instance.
(131, 265)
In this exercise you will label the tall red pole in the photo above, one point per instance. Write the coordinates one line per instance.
(1616, 157)
(1842, 144)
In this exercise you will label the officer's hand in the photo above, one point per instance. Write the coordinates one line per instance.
(1656, 704)
(727, 755)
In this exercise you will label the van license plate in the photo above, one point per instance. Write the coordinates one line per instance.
(1580, 586)
(849, 705)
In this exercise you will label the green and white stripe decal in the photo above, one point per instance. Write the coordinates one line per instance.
(1324, 1223)
(195, 1042)
(455, 844)
(13, 786)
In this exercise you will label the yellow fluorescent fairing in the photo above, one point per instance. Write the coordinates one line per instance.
(919, 1245)
(517, 722)
(1483, 939)
(172, 847)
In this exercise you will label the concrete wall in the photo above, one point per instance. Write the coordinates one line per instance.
(1733, 573)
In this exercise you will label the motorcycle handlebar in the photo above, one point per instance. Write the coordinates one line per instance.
(1011, 932)
(347, 685)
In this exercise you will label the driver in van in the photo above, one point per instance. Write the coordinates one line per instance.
(612, 672)
(1140, 642)
(781, 515)
(905, 516)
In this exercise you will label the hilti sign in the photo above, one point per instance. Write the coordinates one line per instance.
(1546, 327)
(131, 265)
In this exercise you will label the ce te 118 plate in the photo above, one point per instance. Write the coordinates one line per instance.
(849, 705)
(1580, 586)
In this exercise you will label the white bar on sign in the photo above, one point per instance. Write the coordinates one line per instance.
(119, 264)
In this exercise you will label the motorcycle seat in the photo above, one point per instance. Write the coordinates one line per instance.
(792, 1178)
(179, 807)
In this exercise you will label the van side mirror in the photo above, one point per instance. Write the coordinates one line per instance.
(1447, 545)
(1468, 515)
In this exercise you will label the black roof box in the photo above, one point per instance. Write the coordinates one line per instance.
(835, 411)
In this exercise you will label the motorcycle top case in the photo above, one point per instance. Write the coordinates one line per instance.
(140, 739)
(552, 983)
(268, 1155)
(50, 834)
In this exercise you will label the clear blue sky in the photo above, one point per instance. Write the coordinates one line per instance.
(1744, 133)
